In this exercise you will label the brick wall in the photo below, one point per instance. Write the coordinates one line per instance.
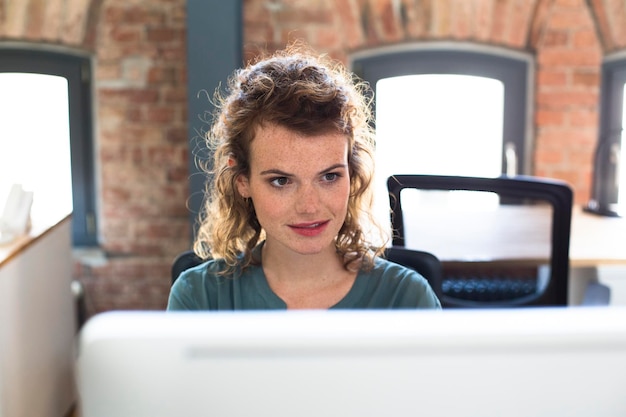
(141, 130)
(142, 147)
(139, 53)
(568, 39)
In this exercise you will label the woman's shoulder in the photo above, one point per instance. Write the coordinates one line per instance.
(211, 270)
(198, 278)
(212, 285)
(404, 285)
(392, 270)
(218, 269)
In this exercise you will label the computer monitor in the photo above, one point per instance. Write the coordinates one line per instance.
(523, 362)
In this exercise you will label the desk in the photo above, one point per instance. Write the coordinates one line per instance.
(37, 321)
(519, 233)
(597, 240)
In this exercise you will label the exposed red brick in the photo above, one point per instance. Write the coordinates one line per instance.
(347, 23)
(552, 78)
(569, 57)
(584, 118)
(569, 18)
(441, 23)
(140, 75)
(549, 118)
(567, 100)
(161, 35)
(586, 78)
(602, 24)
(462, 20)
(125, 34)
(420, 17)
(616, 12)
(389, 22)
(585, 38)
(36, 18)
(556, 38)
(129, 95)
(500, 21)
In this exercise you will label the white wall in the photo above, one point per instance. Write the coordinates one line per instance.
(37, 328)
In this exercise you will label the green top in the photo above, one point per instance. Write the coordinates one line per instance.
(387, 285)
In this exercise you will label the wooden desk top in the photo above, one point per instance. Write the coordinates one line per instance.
(40, 226)
(518, 233)
(597, 239)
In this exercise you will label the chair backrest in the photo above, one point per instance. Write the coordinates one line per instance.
(516, 208)
(184, 261)
(424, 263)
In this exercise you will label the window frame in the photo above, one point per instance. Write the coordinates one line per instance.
(612, 95)
(514, 69)
(605, 190)
(77, 69)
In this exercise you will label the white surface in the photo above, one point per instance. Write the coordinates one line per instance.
(40, 162)
(37, 329)
(542, 362)
(614, 276)
(16, 212)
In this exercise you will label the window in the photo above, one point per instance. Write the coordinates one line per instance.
(620, 159)
(448, 110)
(38, 161)
(411, 108)
(609, 183)
(45, 134)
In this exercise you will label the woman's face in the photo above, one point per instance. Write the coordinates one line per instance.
(300, 187)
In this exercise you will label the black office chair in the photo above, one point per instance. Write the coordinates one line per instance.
(184, 261)
(469, 282)
(424, 263)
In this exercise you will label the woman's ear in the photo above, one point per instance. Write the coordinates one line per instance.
(243, 186)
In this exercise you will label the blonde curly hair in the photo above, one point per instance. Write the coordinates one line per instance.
(306, 93)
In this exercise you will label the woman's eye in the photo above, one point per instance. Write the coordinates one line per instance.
(279, 181)
(330, 176)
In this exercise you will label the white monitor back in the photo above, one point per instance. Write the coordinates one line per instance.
(461, 363)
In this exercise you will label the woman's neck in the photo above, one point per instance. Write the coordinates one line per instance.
(290, 265)
(306, 281)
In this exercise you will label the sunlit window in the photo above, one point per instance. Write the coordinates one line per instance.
(461, 109)
(443, 124)
(621, 171)
(35, 139)
(437, 121)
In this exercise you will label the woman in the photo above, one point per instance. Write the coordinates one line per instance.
(287, 220)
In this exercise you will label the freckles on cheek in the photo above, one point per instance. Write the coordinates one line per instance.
(267, 208)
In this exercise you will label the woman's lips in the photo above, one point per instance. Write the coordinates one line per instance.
(309, 229)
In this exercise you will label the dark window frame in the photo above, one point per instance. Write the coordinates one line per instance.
(605, 187)
(77, 69)
(514, 69)
(612, 96)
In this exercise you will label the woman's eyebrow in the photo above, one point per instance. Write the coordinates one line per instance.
(276, 172)
(333, 167)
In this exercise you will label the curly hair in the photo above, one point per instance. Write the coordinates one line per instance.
(307, 93)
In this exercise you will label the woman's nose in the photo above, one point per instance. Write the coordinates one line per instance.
(307, 200)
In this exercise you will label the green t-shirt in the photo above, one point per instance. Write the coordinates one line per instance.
(387, 285)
